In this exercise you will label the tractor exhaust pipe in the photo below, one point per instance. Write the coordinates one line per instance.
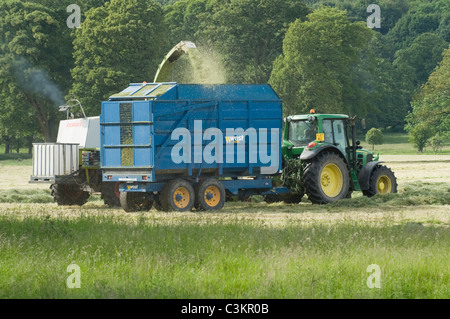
(354, 146)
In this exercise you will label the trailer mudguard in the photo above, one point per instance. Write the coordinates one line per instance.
(364, 174)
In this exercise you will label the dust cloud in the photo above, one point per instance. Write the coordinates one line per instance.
(199, 66)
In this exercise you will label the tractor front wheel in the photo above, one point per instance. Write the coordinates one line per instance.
(326, 178)
(382, 181)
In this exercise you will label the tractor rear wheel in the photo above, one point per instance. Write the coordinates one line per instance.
(326, 178)
(382, 181)
(69, 194)
(135, 202)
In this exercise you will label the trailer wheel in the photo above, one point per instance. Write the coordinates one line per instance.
(135, 202)
(111, 194)
(382, 181)
(177, 195)
(68, 194)
(209, 195)
(326, 178)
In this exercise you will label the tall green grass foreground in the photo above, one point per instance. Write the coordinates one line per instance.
(153, 255)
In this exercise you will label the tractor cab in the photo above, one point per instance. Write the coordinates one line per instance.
(309, 132)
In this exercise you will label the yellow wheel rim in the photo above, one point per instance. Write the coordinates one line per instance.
(384, 185)
(212, 196)
(181, 197)
(331, 180)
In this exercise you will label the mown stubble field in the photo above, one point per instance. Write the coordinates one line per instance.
(247, 250)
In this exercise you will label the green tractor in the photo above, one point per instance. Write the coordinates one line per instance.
(319, 161)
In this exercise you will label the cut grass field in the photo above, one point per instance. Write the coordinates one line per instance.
(247, 250)
(292, 254)
(397, 144)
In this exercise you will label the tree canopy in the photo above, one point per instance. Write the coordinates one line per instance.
(321, 64)
(431, 105)
(248, 34)
(316, 54)
(118, 43)
(35, 63)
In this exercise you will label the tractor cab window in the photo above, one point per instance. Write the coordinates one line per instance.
(339, 135)
(328, 131)
(302, 132)
(334, 131)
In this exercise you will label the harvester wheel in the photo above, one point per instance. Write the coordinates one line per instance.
(326, 178)
(209, 195)
(382, 181)
(177, 195)
(68, 194)
(111, 194)
(286, 198)
(135, 202)
(292, 198)
(272, 198)
(157, 203)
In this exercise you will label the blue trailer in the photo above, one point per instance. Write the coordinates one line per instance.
(179, 146)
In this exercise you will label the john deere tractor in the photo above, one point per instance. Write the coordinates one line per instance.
(323, 160)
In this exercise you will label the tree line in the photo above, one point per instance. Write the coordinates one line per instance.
(317, 54)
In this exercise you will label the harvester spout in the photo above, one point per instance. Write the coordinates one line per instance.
(174, 54)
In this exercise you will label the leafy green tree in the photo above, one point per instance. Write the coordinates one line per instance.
(390, 90)
(321, 63)
(35, 59)
(186, 19)
(420, 59)
(431, 16)
(436, 142)
(374, 136)
(391, 10)
(118, 43)
(251, 45)
(431, 106)
(419, 135)
(247, 34)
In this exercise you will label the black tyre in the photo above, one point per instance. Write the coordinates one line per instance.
(272, 198)
(326, 178)
(157, 203)
(209, 195)
(177, 195)
(382, 181)
(286, 198)
(135, 202)
(111, 194)
(292, 198)
(68, 194)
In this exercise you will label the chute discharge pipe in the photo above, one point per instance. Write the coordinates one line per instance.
(174, 54)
